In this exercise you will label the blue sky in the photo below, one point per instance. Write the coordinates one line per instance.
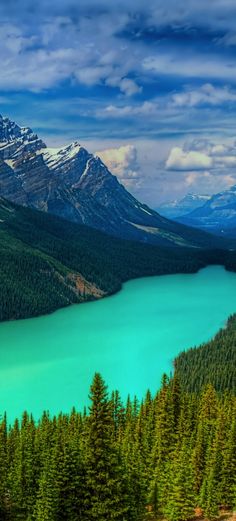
(150, 86)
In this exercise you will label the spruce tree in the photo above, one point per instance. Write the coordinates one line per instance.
(181, 498)
(105, 487)
(3, 469)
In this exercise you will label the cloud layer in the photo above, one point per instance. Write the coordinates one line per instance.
(121, 45)
(156, 79)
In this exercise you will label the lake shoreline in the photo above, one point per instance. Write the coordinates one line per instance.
(114, 292)
(47, 362)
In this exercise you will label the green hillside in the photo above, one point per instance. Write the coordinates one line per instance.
(213, 362)
(47, 262)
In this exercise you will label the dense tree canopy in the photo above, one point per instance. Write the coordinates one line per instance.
(169, 454)
(213, 362)
(43, 256)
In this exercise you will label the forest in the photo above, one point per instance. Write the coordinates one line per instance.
(43, 255)
(170, 456)
(214, 362)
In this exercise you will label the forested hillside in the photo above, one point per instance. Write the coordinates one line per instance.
(47, 262)
(171, 456)
(214, 362)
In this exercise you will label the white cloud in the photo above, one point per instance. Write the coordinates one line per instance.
(202, 154)
(180, 160)
(219, 150)
(126, 85)
(227, 161)
(168, 108)
(191, 160)
(206, 94)
(147, 108)
(192, 66)
(129, 87)
(123, 163)
(60, 50)
(208, 182)
(100, 52)
(92, 75)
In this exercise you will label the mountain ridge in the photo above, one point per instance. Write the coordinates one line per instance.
(76, 185)
(183, 206)
(218, 214)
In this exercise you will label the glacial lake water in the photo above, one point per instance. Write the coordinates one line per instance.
(47, 363)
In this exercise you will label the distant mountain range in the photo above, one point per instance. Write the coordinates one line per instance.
(213, 214)
(72, 183)
(218, 214)
(180, 207)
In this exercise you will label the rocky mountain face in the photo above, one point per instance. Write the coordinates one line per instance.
(180, 207)
(74, 184)
(217, 214)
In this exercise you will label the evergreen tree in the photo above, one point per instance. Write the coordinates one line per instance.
(47, 501)
(3, 469)
(169, 455)
(181, 498)
(105, 490)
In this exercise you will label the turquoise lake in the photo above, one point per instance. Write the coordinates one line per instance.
(131, 338)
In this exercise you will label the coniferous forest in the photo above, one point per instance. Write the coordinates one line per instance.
(213, 362)
(48, 262)
(171, 455)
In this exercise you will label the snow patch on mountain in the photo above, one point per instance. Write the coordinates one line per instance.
(185, 205)
(74, 184)
(55, 156)
(219, 212)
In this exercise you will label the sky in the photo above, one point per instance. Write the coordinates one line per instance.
(150, 87)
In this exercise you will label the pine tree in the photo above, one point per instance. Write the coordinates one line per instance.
(181, 498)
(228, 468)
(105, 490)
(3, 469)
(47, 501)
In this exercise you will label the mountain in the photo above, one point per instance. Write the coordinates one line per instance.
(180, 207)
(217, 214)
(72, 183)
(48, 262)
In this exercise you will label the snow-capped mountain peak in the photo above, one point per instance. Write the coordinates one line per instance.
(54, 156)
(186, 204)
(219, 212)
(72, 183)
(16, 141)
